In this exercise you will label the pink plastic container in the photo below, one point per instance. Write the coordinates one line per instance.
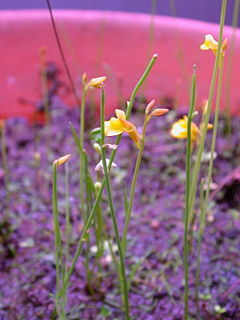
(118, 45)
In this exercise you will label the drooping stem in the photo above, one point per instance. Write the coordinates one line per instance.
(64, 60)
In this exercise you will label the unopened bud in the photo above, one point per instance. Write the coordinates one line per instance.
(224, 44)
(194, 114)
(150, 106)
(159, 112)
(97, 147)
(84, 78)
(97, 185)
(58, 162)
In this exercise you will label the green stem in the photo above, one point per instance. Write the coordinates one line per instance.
(88, 190)
(99, 226)
(133, 187)
(81, 142)
(57, 239)
(214, 138)
(229, 67)
(196, 170)
(67, 233)
(98, 197)
(204, 203)
(199, 243)
(187, 193)
(123, 279)
(67, 214)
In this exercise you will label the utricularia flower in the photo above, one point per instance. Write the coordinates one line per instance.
(211, 44)
(179, 130)
(116, 126)
(93, 83)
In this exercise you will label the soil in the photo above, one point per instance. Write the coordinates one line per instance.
(155, 240)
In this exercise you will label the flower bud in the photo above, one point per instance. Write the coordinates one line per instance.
(84, 78)
(97, 185)
(150, 106)
(58, 162)
(97, 147)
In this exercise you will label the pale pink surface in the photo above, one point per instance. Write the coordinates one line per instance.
(114, 44)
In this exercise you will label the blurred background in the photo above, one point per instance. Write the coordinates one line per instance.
(205, 10)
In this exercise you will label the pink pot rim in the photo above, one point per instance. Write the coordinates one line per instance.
(169, 77)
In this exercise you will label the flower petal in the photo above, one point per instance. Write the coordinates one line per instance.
(120, 114)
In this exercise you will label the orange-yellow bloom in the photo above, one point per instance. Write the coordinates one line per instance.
(116, 126)
(179, 130)
(211, 44)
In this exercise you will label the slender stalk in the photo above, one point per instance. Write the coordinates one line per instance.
(204, 202)
(187, 193)
(67, 215)
(57, 239)
(196, 170)
(123, 279)
(81, 142)
(99, 194)
(5, 164)
(133, 187)
(199, 243)
(99, 226)
(67, 232)
(64, 60)
(44, 85)
(214, 137)
(88, 191)
(230, 66)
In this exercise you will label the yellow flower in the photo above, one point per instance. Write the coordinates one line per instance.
(179, 130)
(94, 82)
(116, 126)
(211, 44)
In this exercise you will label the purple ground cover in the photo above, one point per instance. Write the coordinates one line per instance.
(155, 241)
